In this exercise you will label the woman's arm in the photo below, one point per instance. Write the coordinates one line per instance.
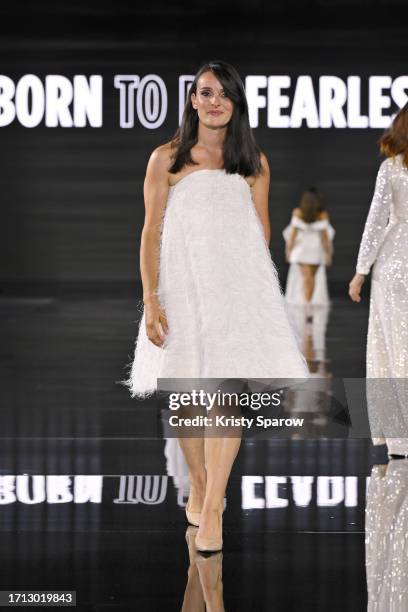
(374, 230)
(377, 220)
(260, 196)
(291, 233)
(326, 242)
(291, 242)
(155, 190)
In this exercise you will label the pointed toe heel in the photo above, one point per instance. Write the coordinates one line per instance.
(192, 517)
(207, 546)
(210, 545)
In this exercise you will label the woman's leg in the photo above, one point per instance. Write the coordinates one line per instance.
(220, 454)
(210, 572)
(309, 273)
(193, 451)
(193, 595)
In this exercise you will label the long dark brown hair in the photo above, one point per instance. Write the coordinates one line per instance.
(311, 205)
(241, 154)
(395, 140)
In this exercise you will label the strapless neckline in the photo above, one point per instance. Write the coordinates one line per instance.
(210, 170)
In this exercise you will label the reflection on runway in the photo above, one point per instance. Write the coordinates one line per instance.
(250, 492)
(133, 529)
(386, 537)
(204, 588)
(310, 323)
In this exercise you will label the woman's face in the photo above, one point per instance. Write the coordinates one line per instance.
(213, 107)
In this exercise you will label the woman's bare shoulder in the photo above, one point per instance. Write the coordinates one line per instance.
(296, 212)
(160, 162)
(323, 215)
(266, 171)
(264, 162)
(161, 155)
(263, 176)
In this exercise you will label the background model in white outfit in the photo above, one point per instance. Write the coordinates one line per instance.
(309, 249)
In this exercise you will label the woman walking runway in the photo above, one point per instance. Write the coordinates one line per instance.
(309, 250)
(384, 248)
(213, 307)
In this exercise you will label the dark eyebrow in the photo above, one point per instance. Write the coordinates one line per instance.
(207, 87)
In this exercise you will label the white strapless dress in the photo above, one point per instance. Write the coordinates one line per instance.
(219, 288)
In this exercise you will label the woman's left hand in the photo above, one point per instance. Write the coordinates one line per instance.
(355, 287)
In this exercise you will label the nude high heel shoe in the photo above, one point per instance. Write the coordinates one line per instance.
(211, 545)
(192, 517)
(379, 441)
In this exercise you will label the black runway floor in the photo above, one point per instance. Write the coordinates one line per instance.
(92, 497)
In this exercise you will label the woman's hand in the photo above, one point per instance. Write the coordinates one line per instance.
(155, 321)
(328, 259)
(355, 287)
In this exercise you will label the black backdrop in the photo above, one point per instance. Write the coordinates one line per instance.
(71, 199)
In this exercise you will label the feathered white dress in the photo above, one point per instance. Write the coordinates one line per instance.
(220, 291)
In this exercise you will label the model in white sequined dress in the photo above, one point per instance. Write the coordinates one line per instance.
(384, 247)
(384, 250)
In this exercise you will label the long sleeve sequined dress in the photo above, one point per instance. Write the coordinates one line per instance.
(384, 248)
